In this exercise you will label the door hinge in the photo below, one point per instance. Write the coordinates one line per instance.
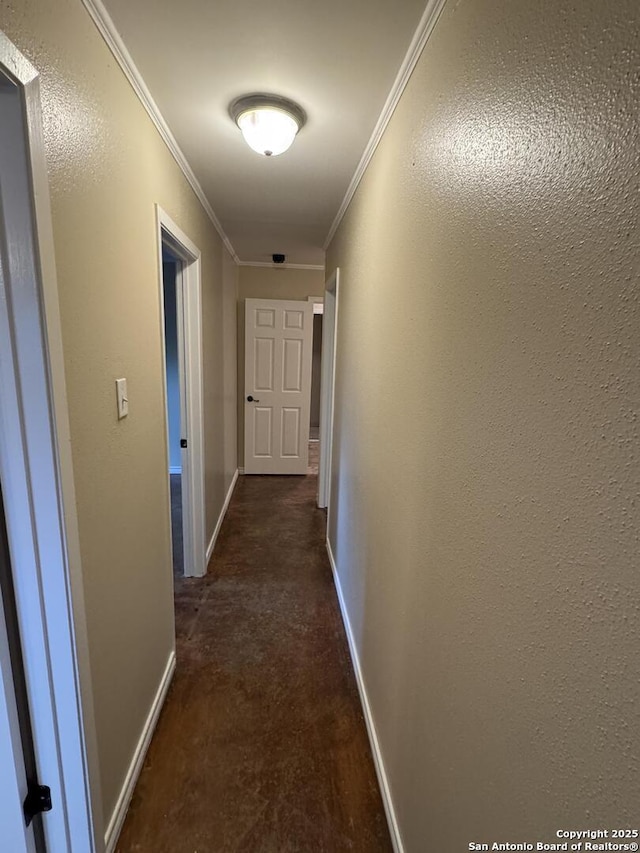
(38, 800)
(183, 442)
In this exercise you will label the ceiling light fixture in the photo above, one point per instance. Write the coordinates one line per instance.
(268, 123)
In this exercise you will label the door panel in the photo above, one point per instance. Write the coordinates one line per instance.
(290, 432)
(263, 432)
(278, 344)
(292, 359)
(264, 364)
(293, 320)
(266, 319)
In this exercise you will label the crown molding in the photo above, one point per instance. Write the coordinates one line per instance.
(281, 266)
(418, 42)
(114, 42)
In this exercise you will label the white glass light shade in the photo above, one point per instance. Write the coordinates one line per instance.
(268, 130)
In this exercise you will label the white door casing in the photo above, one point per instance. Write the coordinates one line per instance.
(189, 323)
(278, 349)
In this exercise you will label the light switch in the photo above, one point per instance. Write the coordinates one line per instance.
(123, 399)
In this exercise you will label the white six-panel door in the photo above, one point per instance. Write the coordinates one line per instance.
(278, 344)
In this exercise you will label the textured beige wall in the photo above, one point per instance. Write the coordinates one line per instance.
(219, 380)
(279, 283)
(268, 283)
(108, 167)
(486, 479)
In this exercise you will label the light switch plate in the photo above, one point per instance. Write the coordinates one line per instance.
(122, 397)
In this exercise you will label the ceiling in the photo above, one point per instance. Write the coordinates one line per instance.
(337, 58)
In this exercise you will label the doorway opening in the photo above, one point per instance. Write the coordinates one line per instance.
(174, 361)
(180, 298)
(316, 377)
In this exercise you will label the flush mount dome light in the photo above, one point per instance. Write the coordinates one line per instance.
(268, 123)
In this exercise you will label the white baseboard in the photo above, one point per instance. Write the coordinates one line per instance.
(120, 812)
(175, 469)
(240, 471)
(394, 830)
(223, 512)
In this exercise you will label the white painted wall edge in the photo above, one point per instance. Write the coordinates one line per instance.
(394, 829)
(122, 805)
(425, 28)
(116, 45)
(175, 469)
(223, 512)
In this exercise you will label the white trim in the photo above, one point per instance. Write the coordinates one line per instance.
(116, 45)
(40, 503)
(418, 42)
(122, 804)
(241, 472)
(223, 512)
(284, 266)
(328, 359)
(189, 313)
(318, 304)
(175, 469)
(394, 829)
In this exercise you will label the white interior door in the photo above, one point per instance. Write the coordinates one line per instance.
(277, 358)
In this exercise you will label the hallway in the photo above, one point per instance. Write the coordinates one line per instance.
(261, 745)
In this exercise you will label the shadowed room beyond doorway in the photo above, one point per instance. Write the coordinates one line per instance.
(174, 427)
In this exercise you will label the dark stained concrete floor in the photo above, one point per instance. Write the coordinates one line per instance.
(261, 745)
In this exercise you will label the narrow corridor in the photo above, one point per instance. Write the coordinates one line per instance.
(262, 745)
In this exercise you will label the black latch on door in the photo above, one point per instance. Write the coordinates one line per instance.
(38, 800)
(183, 442)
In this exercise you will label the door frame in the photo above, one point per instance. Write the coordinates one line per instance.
(189, 321)
(39, 495)
(327, 387)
